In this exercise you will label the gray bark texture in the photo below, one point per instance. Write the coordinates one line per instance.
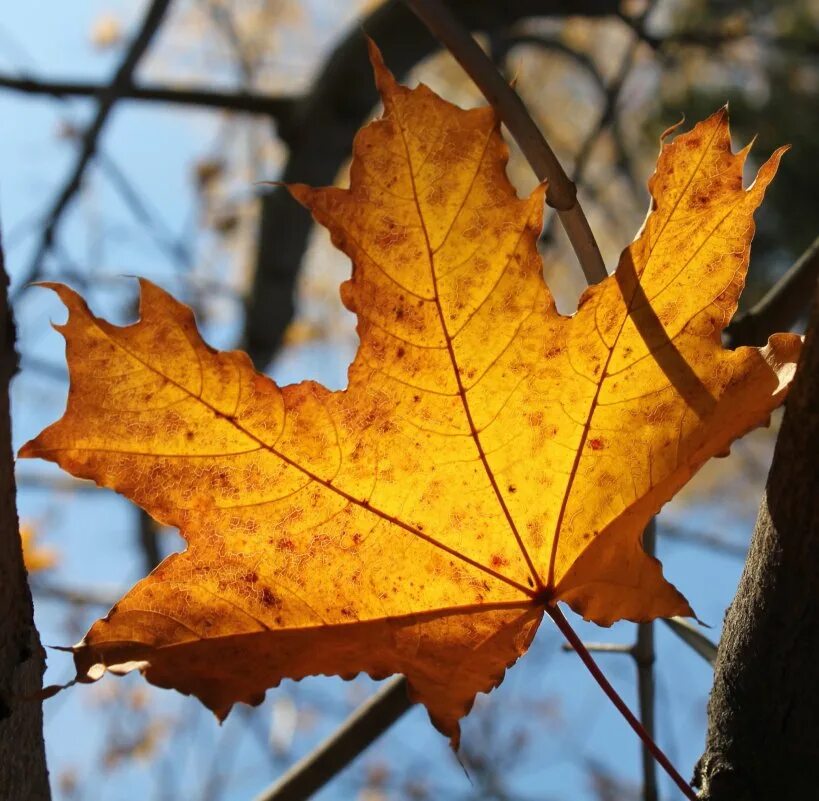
(23, 773)
(763, 715)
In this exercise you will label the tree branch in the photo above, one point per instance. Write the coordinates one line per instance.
(602, 648)
(702, 539)
(562, 193)
(174, 249)
(643, 653)
(781, 307)
(610, 93)
(248, 102)
(607, 119)
(108, 97)
(366, 724)
(715, 39)
(73, 596)
(692, 637)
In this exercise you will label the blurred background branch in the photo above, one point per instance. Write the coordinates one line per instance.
(107, 99)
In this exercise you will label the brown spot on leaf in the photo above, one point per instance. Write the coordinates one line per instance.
(268, 598)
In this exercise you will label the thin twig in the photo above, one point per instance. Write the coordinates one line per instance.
(366, 724)
(715, 39)
(607, 118)
(702, 539)
(223, 19)
(562, 193)
(684, 629)
(692, 637)
(602, 647)
(71, 595)
(108, 97)
(240, 101)
(587, 659)
(783, 304)
(644, 656)
(153, 223)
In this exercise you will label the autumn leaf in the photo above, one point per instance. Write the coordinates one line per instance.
(36, 557)
(489, 458)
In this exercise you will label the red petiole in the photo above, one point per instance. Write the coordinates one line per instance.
(577, 645)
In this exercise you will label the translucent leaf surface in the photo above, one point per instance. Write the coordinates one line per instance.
(488, 458)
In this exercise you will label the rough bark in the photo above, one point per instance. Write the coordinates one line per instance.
(320, 131)
(763, 715)
(23, 773)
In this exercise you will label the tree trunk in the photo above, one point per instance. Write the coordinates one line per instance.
(23, 773)
(763, 716)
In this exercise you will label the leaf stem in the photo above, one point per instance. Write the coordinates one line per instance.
(562, 193)
(580, 649)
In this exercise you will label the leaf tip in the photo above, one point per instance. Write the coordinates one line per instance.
(384, 80)
(672, 128)
(29, 450)
(300, 192)
(782, 354)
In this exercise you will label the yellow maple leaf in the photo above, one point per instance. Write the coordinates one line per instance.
(489, 458)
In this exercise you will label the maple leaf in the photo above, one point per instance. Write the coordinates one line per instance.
(490, 457)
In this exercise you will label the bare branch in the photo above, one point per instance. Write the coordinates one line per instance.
(610, 93)
(562, 193)
(71, 595)
(702, 539)
(120, 83)
(684, 629)
(241, 101)
(692, 636)
(607, 119)
(153, 223)
(601, 647)
(366, 724)
(782, 305)
(643, 653)
(715, 39)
